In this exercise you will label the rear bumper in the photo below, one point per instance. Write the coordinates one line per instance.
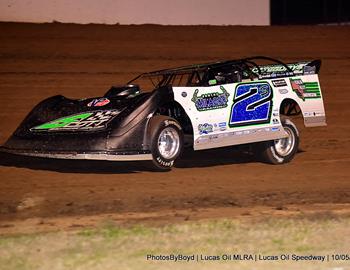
(106, 155)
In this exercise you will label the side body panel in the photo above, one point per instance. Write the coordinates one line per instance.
(60, 125)
(247, 112)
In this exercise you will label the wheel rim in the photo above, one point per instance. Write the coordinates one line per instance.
(168, 143)
(285, 146)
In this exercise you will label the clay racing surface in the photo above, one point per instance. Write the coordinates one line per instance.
(38, 61)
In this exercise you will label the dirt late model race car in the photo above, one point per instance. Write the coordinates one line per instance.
(204, 106)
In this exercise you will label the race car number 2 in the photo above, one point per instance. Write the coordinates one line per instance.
(252, 104)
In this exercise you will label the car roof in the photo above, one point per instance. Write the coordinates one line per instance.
(215, 65)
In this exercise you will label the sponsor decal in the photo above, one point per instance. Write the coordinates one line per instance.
(205, 128)
(252, 104)
(98, 102)
(184, 94)
(222, 126)
(279, 83)
(283, 91)
(202, 140)
(305, 90)
(83, 121)
(242, 132)
(238, 134)
(309, 70)
(311, 114)
(297, 68)
(211, 101)
(275, 121)
(213, 137)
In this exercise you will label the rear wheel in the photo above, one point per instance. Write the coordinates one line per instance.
(281, 150)
(166, 141)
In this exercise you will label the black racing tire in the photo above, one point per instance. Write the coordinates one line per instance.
(280, 151)
(166, 141)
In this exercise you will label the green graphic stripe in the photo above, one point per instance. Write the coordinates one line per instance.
(316, 92)
(62, 122)
(312, 90)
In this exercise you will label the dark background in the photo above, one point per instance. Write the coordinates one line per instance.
(309, 11)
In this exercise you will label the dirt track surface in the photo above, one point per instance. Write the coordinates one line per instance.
(37, 61)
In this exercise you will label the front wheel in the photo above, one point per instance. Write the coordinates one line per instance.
(281, 150)
(166, 141)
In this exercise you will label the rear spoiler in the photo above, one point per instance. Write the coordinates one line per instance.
(278, 70)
